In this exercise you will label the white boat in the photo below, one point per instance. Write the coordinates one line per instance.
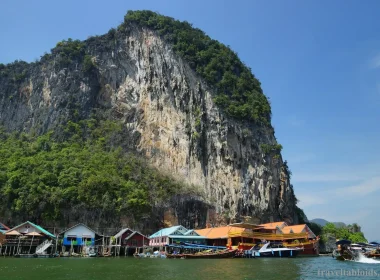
(274, 250)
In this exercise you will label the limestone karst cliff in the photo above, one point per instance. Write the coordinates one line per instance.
(171, 114)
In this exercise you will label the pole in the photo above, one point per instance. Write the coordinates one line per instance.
(30, 248)
(56, 242)
(18, 245)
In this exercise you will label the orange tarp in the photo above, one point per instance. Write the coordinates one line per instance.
(219, 232)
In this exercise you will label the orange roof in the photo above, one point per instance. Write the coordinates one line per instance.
(218, 232)
(295, 229)
(273, 225)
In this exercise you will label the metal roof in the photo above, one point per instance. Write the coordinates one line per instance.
(120, 233)
(186, 237)
(80, 224)
(136, 232)
(190, 231)
(44, 231)
(166, 231)
(3, 228)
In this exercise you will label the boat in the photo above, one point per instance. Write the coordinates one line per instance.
(174, 256)
(158, 254)
(274, 250)
(211, 255)
(372, 250)
(346, 252)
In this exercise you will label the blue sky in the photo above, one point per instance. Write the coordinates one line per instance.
(318, 61)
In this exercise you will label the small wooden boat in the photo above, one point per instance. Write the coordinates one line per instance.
(217, 255)
(373, 255)
(174, 256)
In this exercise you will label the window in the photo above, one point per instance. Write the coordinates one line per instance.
(71, 238)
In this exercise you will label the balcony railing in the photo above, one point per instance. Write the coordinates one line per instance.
(269, 236)
(21, 242)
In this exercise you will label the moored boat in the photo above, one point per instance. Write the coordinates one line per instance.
(211, 255)
(174, 256)
(274, 250)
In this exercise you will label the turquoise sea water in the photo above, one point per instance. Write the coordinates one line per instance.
(157, 269)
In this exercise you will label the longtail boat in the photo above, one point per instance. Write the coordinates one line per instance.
(217, 255)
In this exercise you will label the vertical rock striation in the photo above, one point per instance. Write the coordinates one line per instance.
(169, 111)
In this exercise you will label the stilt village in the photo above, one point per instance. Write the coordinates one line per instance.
(276, 239)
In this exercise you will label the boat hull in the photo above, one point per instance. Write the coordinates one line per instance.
(223, 255)
(276, 254)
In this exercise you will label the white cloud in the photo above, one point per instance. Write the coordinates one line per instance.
(364, 188)
(306, 200)
(354, 203)
(375, 62)
(327, 177)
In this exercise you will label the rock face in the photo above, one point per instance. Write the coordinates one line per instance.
(171, 119)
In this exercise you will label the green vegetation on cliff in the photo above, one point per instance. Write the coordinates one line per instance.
(330, 230)
(40, 177)
(350, 232)
(238, 92)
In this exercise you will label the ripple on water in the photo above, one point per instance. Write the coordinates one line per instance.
(165, 269)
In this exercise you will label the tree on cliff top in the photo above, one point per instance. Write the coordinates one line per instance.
(239, 93)
(345, 232)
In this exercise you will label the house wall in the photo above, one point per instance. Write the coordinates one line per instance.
(27, 228)
(79, 231)
(125, 235)
(188, 240)
(137, 241)
(159, 241)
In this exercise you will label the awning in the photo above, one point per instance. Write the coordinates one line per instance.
(33, 234)
(13, 232)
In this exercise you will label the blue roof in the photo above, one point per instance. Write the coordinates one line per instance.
(42, 229)
(191, 231)
(166, 231)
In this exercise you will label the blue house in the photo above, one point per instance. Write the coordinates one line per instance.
(78, 235)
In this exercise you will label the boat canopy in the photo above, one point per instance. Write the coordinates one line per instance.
(343, 242)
